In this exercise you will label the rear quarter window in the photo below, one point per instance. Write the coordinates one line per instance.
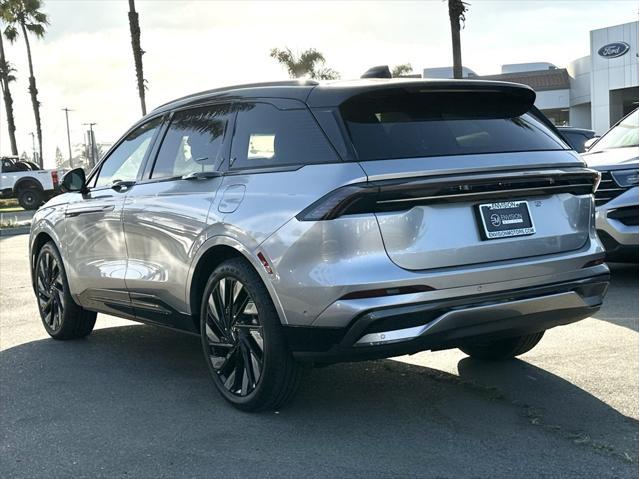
(411, 125)
(266, 136)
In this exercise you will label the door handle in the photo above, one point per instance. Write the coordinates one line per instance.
(86, 211)
(202, 175)
(120, 186)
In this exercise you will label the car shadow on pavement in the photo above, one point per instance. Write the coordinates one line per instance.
(621, 305)
(137, 401)
(555, 404)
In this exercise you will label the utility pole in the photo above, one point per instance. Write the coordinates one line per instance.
(66, 111)
(91, 142)
(35, 155)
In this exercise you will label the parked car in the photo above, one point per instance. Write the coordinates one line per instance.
(616, 156)
(27, 182)
(576, 137)
(302, 222)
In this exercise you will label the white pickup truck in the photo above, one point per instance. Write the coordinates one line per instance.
(26, 182)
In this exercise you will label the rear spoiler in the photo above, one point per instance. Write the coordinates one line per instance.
(335, 94)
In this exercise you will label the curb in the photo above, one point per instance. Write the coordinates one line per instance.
(20, 230)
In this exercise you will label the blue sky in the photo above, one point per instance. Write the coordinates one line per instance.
(85, 62)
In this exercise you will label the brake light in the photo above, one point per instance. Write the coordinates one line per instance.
(403, 194)
(346, 200)
(54, 178)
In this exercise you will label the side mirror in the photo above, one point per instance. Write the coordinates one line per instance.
(588, 144)
(74, 181)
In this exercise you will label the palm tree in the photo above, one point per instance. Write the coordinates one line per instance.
(134, 25)
(309, 63)
(456, 12)
(26, 15)
(400, 70)
(6, 77)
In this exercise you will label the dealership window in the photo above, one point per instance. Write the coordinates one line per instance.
(558, 116)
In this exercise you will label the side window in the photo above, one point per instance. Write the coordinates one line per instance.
(193, 142)
(124, 162)
(8, 167)
(266, 136)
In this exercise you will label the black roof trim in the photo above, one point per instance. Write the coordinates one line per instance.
(334, 93)
(264, 89)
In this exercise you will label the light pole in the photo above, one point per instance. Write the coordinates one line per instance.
(91, 142)
(66, 111)
(35, 157)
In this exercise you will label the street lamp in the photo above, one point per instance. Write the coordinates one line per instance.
(35, 156)
(92, 144)
(66, 111)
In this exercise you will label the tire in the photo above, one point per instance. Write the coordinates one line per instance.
(243, 342)
(501, 349)
(30, 198)
(61, 317)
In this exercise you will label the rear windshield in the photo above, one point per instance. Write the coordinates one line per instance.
(398, 124)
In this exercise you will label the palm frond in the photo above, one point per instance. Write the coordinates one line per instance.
(41, 18)
(325, 73)
(35, 28)
(309, 63)
(11, 33)
(402, 69)
(457, 10)
(6, 71)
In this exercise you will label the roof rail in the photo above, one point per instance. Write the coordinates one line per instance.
(244, 85)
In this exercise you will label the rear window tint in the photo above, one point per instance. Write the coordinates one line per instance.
(266, 136)
(412, 125)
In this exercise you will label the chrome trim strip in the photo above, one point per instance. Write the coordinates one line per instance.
(478, 315)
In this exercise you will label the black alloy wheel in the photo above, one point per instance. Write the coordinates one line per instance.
(50, 290)
(234, 336)
(243, 341)
(61, 316)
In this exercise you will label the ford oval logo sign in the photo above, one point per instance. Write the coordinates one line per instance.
(614, 50)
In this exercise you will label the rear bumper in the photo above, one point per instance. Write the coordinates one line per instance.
(445, 324)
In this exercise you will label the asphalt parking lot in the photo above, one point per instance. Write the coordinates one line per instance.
(135, 401)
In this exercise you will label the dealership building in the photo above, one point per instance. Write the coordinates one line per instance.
(590, 92)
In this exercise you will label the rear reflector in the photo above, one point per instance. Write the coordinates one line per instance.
(267, 266)
(376, 293)
(595, 262)
(54, 178)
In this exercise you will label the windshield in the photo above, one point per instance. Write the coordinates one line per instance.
(624, 135)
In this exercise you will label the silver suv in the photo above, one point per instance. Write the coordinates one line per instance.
(616, 156)
(298, 222)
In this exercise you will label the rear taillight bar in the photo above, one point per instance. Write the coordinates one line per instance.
(403, 194)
